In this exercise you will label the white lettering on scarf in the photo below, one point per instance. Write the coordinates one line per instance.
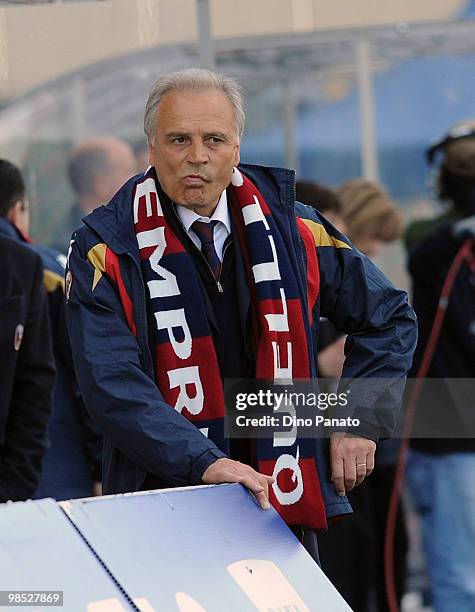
(167, 286)
(173, 321)
(182, 377)
(145, 190)
(265, 272)
(269, 270)
(288, 462)
(279, 322)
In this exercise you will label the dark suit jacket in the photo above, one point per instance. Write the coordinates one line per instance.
(26, 370)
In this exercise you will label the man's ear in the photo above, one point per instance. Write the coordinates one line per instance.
(14, 214)
(150, 154)
(237, 154)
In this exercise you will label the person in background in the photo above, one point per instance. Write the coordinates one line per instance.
(441, 466)
(372, 220)
(141, 156)
(27, 371)
(72, 464)
(96, 169)
(322, 199)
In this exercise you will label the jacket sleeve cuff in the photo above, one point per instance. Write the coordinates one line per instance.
(202, 463)
(363, 430)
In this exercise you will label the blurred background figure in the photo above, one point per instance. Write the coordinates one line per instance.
(96, 169)
(72, 464)
(322, 199)
(141, 156)
(441, 470)
(26, 369)
(372, 220)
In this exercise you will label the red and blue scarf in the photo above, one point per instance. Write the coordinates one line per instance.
(186, 364)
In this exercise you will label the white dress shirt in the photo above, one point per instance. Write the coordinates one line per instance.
(222, 229)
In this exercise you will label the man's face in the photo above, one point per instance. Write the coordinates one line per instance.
(195, 148)
(121, 166)
(19, 215)
(24, 217)
(369, 244)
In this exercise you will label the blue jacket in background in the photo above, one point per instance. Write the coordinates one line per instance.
(73, 460)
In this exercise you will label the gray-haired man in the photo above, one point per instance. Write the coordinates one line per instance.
(201, 270)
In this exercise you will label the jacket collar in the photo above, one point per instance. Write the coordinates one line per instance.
(8, 229)
(114, 222)
(277, 185)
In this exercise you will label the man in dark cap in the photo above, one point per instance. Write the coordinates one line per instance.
(441, 469)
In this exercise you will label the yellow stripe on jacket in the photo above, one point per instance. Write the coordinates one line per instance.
(52, 281)
(322, 237)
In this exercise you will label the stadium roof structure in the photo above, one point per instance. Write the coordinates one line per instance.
(108, 97)
(271, 57)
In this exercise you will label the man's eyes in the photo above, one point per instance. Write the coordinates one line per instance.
(179, 139)
(209, 139)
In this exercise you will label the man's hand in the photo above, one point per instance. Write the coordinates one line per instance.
(352, 459)
(227, 470)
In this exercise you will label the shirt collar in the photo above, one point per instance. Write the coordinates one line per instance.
(221, 213)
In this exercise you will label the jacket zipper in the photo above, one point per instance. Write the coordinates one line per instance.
(218, 280)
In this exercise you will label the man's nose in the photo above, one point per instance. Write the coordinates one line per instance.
(197, 153)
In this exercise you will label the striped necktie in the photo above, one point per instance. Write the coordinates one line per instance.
(205, 232)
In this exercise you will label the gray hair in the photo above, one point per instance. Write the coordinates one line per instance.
(196, 79)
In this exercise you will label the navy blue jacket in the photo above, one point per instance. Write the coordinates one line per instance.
(27, 371)
(115, 368)
(73, 460)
